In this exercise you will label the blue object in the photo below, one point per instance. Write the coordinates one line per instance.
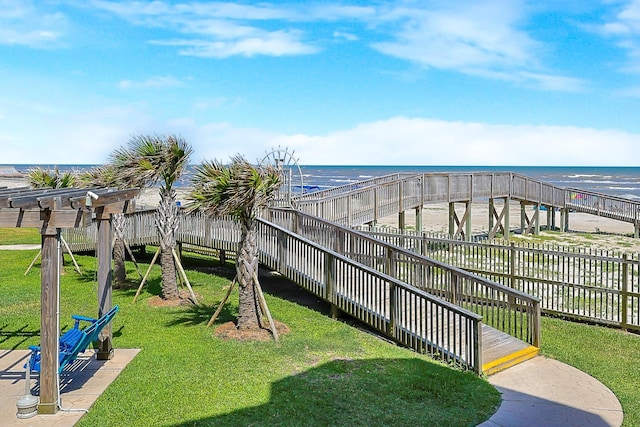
(75, 340)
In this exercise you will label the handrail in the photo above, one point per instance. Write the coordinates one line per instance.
(511, 311)
(369, 200)
(412, 317)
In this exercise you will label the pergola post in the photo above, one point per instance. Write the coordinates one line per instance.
(49, 339)
(105, 278)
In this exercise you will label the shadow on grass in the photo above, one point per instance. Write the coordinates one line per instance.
(200, 314)
(369, 392)
(22, 332)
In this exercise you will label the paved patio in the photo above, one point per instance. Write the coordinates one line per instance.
(80, 385)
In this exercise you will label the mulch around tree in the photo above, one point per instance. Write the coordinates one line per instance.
(229, 331)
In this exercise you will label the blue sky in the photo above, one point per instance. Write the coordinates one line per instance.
(350, 82)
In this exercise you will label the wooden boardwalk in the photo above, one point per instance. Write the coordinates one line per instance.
(368, 201)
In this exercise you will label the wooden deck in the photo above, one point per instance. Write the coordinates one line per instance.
(501, 351)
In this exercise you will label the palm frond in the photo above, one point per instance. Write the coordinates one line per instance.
(238, 189)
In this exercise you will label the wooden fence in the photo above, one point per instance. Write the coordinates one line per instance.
(601, 286)
(410, 316)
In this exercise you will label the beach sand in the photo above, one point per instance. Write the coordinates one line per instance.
(585, 230)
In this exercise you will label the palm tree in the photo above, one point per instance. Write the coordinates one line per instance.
(44, 178)
(107, 176)
(240, 190)
(157, 160)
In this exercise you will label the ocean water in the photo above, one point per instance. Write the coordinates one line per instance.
(615, 181)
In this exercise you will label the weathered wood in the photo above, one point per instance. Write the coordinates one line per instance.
(49, 334)
(19, 218)
(105, 277)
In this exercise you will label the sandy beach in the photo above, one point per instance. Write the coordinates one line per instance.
(585, 230)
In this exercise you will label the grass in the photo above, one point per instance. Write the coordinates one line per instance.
(15, 236)
(609, 355)
(323, 372)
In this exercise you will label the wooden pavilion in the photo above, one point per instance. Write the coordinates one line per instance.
(50, 211)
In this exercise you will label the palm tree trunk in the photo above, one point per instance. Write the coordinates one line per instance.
(119, 269)
(167, 222)
(249, 314)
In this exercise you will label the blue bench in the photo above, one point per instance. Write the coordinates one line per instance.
(75, 340)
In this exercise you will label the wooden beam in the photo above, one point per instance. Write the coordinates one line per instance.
(29, 200)
(21, 218)
(105, 197)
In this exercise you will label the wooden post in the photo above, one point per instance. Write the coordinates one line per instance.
(523, 218)
(452, 215)
(419, 219)
(467, 228)
(401, 220)
(330, 282)
(507, 229)
(492, 212)
(105, 235)
(49, 334)
(624, 295)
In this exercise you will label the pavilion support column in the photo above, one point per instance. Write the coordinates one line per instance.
(49, 337)
(105, 278)
(402, 224)
(523, 218)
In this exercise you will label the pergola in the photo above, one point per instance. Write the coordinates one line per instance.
(50, 211)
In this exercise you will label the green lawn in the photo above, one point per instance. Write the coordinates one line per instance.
(323, 372)
(609, 355)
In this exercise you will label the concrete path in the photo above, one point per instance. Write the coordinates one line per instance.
(19, 247)
(544, 392)
(80, 385)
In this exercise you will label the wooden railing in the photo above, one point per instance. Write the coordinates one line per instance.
(410, 316)
(601, 286)
(503, 308)
(370, 200)
(603, 205)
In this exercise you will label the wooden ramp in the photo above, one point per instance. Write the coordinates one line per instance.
(501, 351)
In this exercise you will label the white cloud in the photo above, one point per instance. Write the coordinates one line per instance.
(624, 27)
(405, 141)
(217, 30)
(152, 82)
(397, 141)
(22, 23)
(276, 43)
(482, 38)
(465, 35)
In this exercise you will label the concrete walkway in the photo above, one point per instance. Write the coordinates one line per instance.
(544, 392)
(80, 385)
